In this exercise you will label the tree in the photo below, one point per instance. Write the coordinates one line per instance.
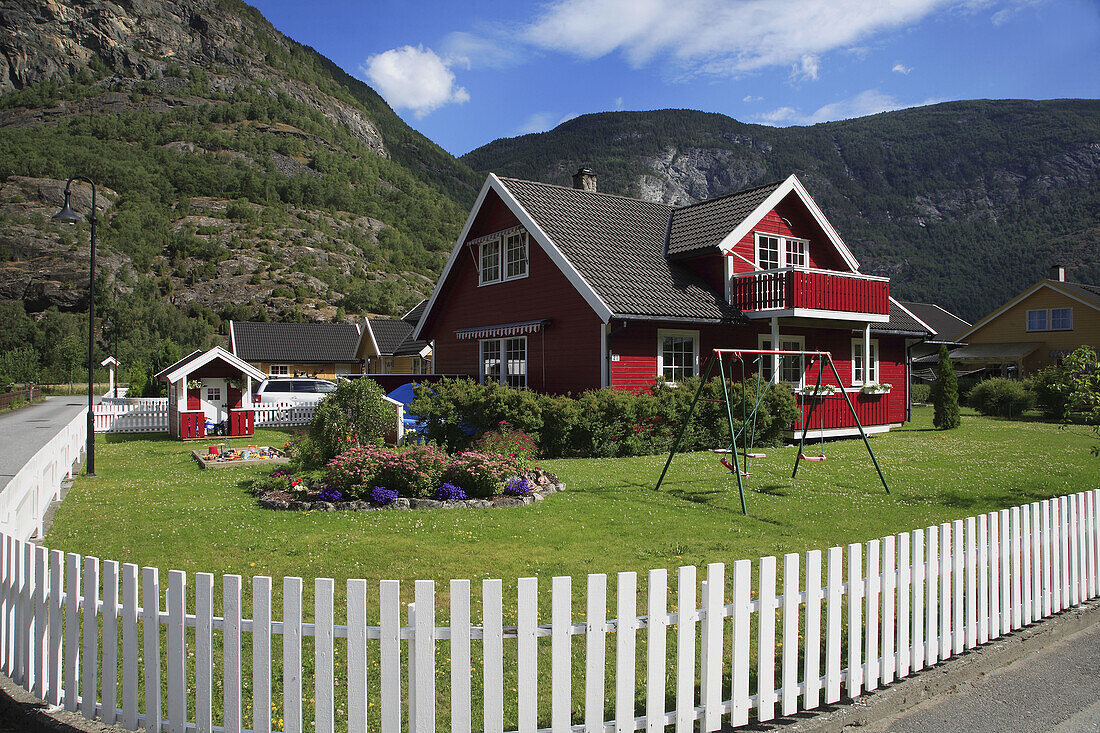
(1081, 385)
(945, 394)
(355, 414)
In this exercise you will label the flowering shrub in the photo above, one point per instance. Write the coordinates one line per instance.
(353, 415)
(381, 495)
(353, 471)
(414, 471)
(332, 494)
(507, 441)
(482, 474)
(450, 492)
(518, 486)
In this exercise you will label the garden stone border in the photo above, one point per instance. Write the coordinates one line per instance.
(545, 482)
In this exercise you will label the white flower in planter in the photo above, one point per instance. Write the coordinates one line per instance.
(876, 388)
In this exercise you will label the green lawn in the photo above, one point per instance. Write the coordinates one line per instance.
(152, 505)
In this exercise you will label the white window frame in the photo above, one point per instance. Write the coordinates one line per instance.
(788, 343)
(502, 360)
(499, 260)
(783, 250)
(1045, 326)
(279, 370)
(387, 364)
(1068, 326)
(662, 334)
(213, 394)
(857, 352)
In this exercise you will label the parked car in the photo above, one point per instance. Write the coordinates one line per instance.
(292, 390)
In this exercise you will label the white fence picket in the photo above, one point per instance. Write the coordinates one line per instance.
(811, 662)
(150, 626)
(958, 621)
(204, 652)
(461, 721)
(595, 653)
(1025, 565)
(656, 638)
(789, 679)
(231, 653)
(527, 651)
(90, 653)
(175, 653)
(904, 606)
(1036, 564)
(742, 590)
(994, 575)
(292, 654)
(423, 653)
(982, 587)
(492, 647)
(1006, 572)
(261, 653)
(765, 641)
(931, 602)
(129, 646)
(945, 590)
(56, 627)
(916, 618)
(324, 653)
(626, 621)
(389, 601)
(889, 595)
(1016, 597)
(110, 642)
(357, 650)
(855, 619)
(685, 649)
(39, 654)
(561, 653)
(71, 655)
(871, 589)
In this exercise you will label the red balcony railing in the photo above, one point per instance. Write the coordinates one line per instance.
(826, 290)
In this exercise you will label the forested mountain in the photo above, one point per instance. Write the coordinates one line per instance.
(241, 174)
(961, 203)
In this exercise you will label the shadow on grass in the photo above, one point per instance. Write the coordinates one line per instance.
(142, 437)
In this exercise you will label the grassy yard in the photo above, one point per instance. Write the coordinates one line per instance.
(152, 505)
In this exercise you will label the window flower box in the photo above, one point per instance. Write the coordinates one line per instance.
(815, 391)
(876, 388)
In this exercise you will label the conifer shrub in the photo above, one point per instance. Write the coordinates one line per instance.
(945, 394)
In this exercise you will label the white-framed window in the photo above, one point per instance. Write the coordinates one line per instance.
(387, 365)
(502, 259)
(677, 354)
(857, 363)
(792, 369)
(213, 394)
(505, 361)
(1061, 319)
(774, 251)
(279, 370)
(1037, 320)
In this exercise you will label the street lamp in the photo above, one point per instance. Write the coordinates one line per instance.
(69, 216)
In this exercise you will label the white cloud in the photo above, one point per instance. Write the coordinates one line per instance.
(901, 68)
(751, 98)
(543, 121)
(869, 102)
(721, 37)
(493, 48)
(413, 78)
(618, 104)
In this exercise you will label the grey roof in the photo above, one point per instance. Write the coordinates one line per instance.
(900, 322)
(413, 316)
(946, 326)
(1089, 292)
(617, 245)
(295, 342)
(989, 353)
(702, 226)
(394, 335)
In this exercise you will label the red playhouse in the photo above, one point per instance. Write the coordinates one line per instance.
(562, 289)
(210, 393)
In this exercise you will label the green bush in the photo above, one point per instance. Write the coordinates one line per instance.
(599, 423)
(1051, 395)
(1001, 397)
(355, 414)
(920, 392)
(945, 394)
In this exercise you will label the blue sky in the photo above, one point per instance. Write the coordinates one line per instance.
(467, 73)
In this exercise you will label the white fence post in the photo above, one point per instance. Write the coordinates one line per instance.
(561, 659)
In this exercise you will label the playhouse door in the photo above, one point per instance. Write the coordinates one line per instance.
(214, 400)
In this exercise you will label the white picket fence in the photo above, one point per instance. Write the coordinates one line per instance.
(909, 601)
(28, 494)
(150, 415)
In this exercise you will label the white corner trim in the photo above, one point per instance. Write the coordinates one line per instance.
(914, 315)
(1019, 299)
(368, 332)
(535, 232)
(216, 353)
(232, 338)
(792, 184)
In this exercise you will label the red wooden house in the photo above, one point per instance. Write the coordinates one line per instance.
(564, 289)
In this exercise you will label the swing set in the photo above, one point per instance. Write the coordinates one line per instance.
(742, 440)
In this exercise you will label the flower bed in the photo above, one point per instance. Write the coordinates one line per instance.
(538, 484)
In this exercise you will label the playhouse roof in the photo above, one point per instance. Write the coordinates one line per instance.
(198, 359)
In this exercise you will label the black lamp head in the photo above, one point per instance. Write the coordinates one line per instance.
(67, 214)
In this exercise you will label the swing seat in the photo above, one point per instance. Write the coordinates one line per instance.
(726, 463)
(756, 455)
(804, 457)
(720, 450)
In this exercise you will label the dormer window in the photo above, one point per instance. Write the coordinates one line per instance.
(774, 252)
(503, 257)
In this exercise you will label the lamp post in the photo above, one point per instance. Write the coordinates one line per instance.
(71, 217)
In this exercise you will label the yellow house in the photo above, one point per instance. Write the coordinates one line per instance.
(386, 345)
(1035, 329)
(324, 350)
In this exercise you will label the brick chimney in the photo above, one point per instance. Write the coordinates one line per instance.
(584, 179)
(1057, 272)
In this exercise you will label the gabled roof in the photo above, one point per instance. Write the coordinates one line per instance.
(301, 343)
(198, 359)
(1088, 295)
(413, 316)
(393, 336)
(702, 226)
(945, 325)
(902, 321)
(616, 244)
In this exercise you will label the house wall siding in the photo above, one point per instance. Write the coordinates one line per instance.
(321, 371)
(1011, 327)
(822, 253)
(565, 357)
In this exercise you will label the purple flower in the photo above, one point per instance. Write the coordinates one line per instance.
(517, 486)
(450, 492)
(331, 494)
(382, 495)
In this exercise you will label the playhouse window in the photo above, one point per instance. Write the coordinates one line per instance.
(857, 362)
(677, 355)
(504, 361)
(213, 394)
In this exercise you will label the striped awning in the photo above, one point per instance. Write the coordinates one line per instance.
(494, 235)
(502, 329)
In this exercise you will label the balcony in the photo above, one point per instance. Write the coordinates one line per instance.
(801, 293)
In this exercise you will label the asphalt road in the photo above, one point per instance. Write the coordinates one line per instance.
(24, 431)
(1055, 689)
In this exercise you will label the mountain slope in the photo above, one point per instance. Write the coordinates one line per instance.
(961, 203)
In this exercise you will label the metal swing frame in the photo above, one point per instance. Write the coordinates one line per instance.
(718, 357)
